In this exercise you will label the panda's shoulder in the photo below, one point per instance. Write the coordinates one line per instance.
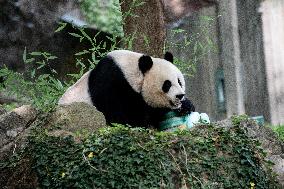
(125, 59)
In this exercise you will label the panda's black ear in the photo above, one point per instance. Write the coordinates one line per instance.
(169, 57)
(145, 63)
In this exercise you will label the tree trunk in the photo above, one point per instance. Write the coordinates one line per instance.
(144, 26)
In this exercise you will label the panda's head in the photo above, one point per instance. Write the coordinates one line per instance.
(163, 83)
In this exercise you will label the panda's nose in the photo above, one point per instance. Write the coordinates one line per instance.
(180, 96)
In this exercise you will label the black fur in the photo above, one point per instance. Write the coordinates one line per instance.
(145, 63)
(186, 108)
(115, 98)
(166, 86)
(179, 83)
(169, 57)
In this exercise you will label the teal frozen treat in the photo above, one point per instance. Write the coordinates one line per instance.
(173, 122)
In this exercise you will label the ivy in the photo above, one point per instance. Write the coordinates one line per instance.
(124, 157)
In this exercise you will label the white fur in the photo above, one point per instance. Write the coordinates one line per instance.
(79, 92)
(128, 63)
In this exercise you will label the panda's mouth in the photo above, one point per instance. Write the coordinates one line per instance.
(175, 104)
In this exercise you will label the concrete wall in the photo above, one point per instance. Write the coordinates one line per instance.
(273, 29)
(252, 57)
(230, 56)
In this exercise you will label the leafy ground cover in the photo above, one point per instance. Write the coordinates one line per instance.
(122, 157)
(279, 130)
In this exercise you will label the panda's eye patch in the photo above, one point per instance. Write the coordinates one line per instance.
(179, 83)
(166, 86)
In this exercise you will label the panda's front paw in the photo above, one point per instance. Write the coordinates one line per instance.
(186, 107)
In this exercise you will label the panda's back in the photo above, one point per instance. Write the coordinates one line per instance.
(79, 92)
(116, 61)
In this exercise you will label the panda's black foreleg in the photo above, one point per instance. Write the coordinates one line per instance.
(186, 108)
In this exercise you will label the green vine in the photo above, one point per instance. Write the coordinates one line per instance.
(123, 157)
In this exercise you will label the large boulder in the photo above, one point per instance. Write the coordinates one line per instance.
(75, 119)
(273, 146)
(18, 126)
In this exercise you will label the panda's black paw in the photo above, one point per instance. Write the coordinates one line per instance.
(186, 108)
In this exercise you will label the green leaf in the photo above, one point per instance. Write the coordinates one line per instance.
(51, 57)
(29, 60)
(76, 35)
(33, 73)
(25, 55)
(61, 27)
(36, 53)
(82, 52)
(41, 66)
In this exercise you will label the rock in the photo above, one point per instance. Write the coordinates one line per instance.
(146, 155)
(6, 100)
(13, 129)
(278, 168)
(80, 119)
(76, 118)
(27, 112)
(269, 142)
(273, 146)
(21, 176)
(2, 111)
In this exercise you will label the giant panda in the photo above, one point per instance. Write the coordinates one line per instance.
(132, 88)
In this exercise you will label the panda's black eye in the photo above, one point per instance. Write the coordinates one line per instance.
(179, 83)
(166, 86)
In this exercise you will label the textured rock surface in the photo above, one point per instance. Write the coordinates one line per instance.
(269, 142)
(14, 127)
(65, 120)
(272, 145)
(2, 110)
(76, 118)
